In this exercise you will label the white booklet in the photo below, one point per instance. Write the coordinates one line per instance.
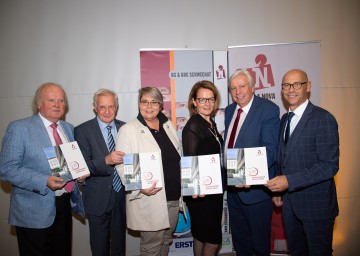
(246, 166)
(132, 172)
(201, 175)
(189, 175)
(141, 170)
(66, 161)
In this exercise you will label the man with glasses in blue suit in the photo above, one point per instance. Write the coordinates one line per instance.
(308, 161)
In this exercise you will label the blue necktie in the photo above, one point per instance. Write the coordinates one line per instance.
(111, 143)
(287, 131)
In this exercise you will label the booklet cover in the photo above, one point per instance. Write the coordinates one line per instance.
(141, 170)
(210, 174)
(247, 166)
(189, 175)
(235, 164)
(132, 172)
(66, 161)
(201, 175)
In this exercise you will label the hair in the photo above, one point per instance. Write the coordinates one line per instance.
(37, 97)
(242, 72)
(154, 93)
(102, 92)
(193, 95)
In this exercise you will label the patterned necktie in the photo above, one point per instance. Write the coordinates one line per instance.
(287, 131)
(111, 144)
(70, 185)
(233, 131)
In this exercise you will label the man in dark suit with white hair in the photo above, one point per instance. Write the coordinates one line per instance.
(104, 196)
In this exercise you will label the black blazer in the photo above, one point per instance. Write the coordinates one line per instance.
(97, 188)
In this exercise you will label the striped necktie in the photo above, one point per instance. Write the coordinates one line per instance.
(111, 144)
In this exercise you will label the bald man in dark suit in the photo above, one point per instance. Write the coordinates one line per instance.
(308, 161)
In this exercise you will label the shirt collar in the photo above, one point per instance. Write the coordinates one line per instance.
(104, 125)
(299, 111)
(46, 122)
(162, 119)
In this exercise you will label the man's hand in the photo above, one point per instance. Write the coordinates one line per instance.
(55, 183)
(114, 158)
(83, 178)
(277, 184)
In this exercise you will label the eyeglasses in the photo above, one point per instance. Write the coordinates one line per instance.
(296, 85)
(204, 100)
(103, 108)
(152, 103)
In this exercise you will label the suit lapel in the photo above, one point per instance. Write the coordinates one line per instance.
(95, 131)
(298, 131)
(228, 118)
(40, 130)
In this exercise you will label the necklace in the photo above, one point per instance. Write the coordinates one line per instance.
(214, 133)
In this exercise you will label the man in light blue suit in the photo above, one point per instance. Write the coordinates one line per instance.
(308, 161)
(40, 207)
(250, 208)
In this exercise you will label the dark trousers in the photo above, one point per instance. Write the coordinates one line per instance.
(307, 237)
(54, 240)
(108, 231)
(250, 226)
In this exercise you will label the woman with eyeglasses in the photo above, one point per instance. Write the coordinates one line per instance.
(201, 137)
(153, 211)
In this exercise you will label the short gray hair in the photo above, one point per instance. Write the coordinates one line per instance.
(242, 72)
(102, 92)
(153, 92)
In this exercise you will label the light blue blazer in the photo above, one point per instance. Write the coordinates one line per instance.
(23, 163)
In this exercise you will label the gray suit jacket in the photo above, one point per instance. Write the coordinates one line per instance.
(23, 163)
(97, 188)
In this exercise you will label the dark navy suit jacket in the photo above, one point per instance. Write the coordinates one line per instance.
(260, 128)
(97, 188)
(310, 161)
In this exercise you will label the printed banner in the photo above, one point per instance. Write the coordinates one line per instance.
(175, 72)
(268, 64)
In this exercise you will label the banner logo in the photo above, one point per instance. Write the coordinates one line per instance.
(262, 74)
